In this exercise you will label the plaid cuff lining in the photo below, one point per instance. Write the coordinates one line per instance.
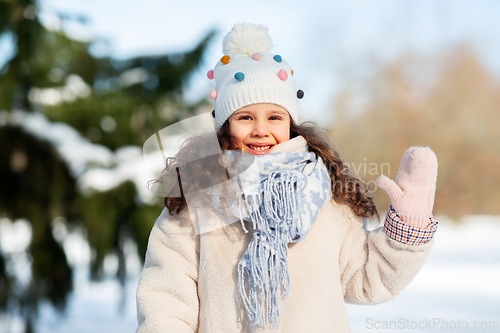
(397, 230)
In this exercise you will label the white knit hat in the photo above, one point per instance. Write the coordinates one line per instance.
(249, 74)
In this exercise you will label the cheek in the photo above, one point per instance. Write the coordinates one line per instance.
(283, 134)
(237, 132)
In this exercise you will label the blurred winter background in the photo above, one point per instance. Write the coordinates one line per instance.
(84, 83)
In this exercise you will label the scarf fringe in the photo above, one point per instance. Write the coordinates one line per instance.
(263, 270)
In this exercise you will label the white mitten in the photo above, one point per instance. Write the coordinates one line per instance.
(412, 195)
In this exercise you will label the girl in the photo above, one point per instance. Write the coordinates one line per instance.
(300, 250)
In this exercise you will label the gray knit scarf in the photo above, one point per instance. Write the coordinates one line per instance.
(282, 194)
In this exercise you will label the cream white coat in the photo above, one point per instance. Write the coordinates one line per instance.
(189, 281)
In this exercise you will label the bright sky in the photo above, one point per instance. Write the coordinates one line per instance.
(318, 38)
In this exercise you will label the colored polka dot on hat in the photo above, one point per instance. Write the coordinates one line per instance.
(239, 76)
(256, 56)
(282, 74)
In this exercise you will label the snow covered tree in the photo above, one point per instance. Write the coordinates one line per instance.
(111, 103)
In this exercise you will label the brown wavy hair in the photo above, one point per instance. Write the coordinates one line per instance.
(346, 188)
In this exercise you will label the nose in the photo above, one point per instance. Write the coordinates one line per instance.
(260, 129)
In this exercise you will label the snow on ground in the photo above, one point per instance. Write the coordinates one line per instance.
(93, 307)
(458, 287)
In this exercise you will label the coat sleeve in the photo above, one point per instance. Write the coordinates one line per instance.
(375, 268)
(167, 295)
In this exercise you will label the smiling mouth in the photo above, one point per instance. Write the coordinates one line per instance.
(259, 148)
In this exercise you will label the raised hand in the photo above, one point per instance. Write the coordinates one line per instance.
(412, 195)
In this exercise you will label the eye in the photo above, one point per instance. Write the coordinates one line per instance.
(244, 118)
(275, 118)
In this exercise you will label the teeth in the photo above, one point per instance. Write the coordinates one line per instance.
(260, 148)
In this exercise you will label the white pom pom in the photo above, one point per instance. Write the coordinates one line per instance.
(247, 38)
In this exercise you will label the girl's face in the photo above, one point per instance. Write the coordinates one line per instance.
(260, 127)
